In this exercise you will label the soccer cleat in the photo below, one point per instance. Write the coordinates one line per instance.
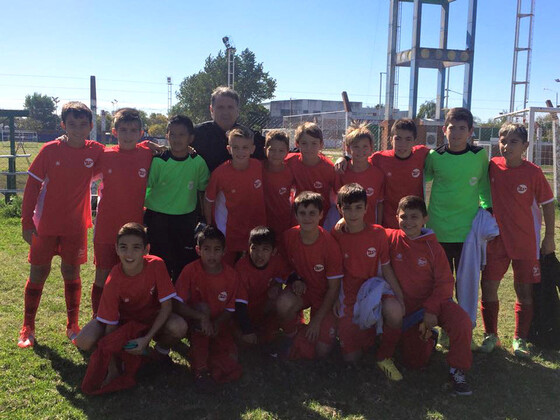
(389, 369)
(459, 382)
(490, 342)
(26, 337)
(204, 383)
(520, 349)
(72, 332)
(442, 340)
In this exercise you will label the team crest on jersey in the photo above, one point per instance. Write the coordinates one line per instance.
(142, 172)
(282, 190)
(57, 163)
(153, 290)
(370, 191)
(422, 262)
(522, 188)
(319, 267)
(126, 300)
(371, 252)
(88, 162)
(346, 255)
(318, 185)
(415, 173)
(536, 271)
(473, 181)
(222, 297)
(398, 257)
(190, 186)
(257, 183)
(389, 173)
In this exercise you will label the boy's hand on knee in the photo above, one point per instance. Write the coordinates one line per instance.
(142, 343)
(206, 326)
(425, 333)
(299, 287)
(312, 332)
(28, 235)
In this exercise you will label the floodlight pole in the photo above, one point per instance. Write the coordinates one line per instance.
(11, 175)
(230, 50)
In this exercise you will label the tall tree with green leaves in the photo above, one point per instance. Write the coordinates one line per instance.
(252, 82)
(427, 110)
(42, 111)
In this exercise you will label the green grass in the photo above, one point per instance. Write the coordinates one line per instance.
(44, 382)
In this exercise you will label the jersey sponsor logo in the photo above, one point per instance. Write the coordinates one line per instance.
(422, 262)
(370, 191)
(109, 171)
(222, 296)
(371, 252)
(389, 174)
(88, 162)
(257, 183)
(190, 185)
(346, 255)
(282, 190)
(233, 191)
(473, 181)
(522, 188)
(126, 300)
(318, 185)
(57, 163)
(142, 172)
(318, 267)
(536, 271)
(415, 173)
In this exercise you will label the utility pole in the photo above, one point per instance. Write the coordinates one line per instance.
(230, 50)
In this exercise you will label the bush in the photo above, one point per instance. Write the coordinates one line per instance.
(12, 208)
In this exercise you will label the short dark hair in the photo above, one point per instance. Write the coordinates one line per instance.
(277, 135)
(133, 229)
(459, 114)
(404, 124)
(309, 128)
(208, 233)
(262, 235)
(240, 131)
(224, 91)
(516, 129)
(306, 198)
(77, 109)
(181, 120)
(412, 202)
(351, 193)
(123, 115)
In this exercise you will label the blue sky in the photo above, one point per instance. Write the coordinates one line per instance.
(314, 49)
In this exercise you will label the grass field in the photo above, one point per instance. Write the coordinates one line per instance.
(44, 382)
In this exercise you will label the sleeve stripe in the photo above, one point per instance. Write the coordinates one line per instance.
(207, 199)
(107, 322)
(547, 201)
(230, 309)
(35, 176)
(246, 302)
(172, 295)
(338, 276)
(388, 262)
(179, 298)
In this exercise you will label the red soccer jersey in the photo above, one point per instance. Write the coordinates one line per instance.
(363, 254)
(256, 281)
(277, 200)
(135, 298)
(218, 291)
(422, 270)
(238, 199)
(516, 196)
(316, 263)
(320, 178)
(122, 191)
(372, 180)
(56, 201)
(402, 177)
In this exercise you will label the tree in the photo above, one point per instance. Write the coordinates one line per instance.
(427, 110)
(42, 109)
(253, 84)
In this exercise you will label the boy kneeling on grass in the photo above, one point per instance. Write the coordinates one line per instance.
(421, 266)
(135, 306)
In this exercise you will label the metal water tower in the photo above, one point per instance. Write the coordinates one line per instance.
(418, 57)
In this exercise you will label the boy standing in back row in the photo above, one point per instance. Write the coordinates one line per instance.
(56, 213)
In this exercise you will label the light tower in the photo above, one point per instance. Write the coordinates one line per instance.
(418, 57)
(518, 48)
(230, 50)
(169, 94)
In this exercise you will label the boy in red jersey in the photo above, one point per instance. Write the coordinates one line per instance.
(278, 181)
(206, 294)
(124, 173)
(56, 213)
(403, 167)
(312, 170)
(426, 281)
(518, 189)
(262, 274)
(365, 253)
(315, 257)
(235, 191)
(359, 143)
(137, 290)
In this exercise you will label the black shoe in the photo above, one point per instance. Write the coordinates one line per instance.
(204, 383)
(460, 384)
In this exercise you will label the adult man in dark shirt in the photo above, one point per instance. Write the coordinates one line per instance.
(210, 137)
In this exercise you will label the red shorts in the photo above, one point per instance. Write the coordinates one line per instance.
(524, 271)
(71, 248)
(352, 338)
(105, 256)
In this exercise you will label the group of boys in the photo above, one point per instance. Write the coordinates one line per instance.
(266, 254)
